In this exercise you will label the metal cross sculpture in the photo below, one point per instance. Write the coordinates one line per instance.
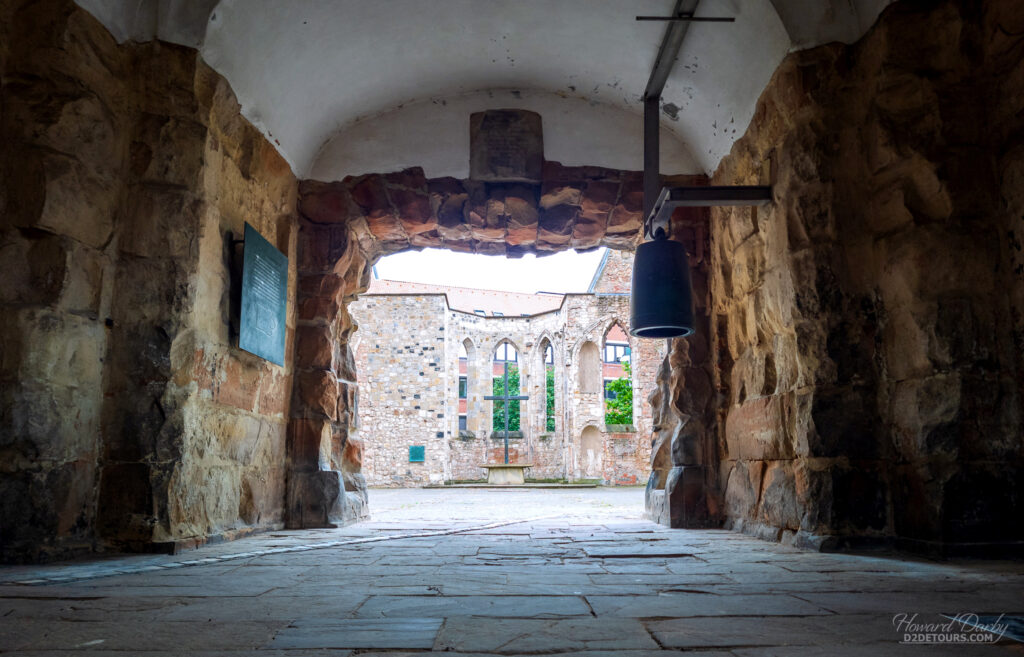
(506, 398)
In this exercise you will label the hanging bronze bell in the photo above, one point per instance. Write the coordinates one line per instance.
(661, 304)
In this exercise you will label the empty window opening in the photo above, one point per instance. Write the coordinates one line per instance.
(549, 387)
(618, 377)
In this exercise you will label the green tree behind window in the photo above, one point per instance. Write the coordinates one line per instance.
(498, 417)
(620, 409)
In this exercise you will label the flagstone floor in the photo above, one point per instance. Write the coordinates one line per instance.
(515, 572)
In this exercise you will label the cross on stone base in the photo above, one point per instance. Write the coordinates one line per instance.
(506, 398)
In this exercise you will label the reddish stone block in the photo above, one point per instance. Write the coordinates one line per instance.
(318, 393)
(598, 199)
(553, 171)
(238, 385)
(202, 372)
(628, 214)
(318, 308)
(370, 195)
(306, 442)
(601, 173)
(325, 286)
(519, 250)
(352, 456)
(555, 194)
(757, 429)
(321, 248)
(555, 225)
(522, 216)
(412, 178)
(387, 227)
(314, 348)
(325, 203)
(414, 211)
(491, 248)
(447, 199)
(273, 396)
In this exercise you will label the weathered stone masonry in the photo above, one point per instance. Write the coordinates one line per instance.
(867, 327)
(856, 372)
(126, 415)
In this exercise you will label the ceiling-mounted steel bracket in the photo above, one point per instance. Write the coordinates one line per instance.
(666, 59)
(671, 198)
(659, 203)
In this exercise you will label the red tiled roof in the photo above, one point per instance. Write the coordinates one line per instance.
(470, 299)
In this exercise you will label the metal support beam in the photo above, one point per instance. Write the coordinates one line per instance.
(697, 197)
(667, 54)
(669, 50)
(652, 154)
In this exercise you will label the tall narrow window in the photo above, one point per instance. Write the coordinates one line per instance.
(505, 383)
(617, 375)
(549, 388)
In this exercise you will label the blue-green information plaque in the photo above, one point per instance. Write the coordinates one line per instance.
(264, 298)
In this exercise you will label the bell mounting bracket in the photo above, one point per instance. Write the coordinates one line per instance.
(660, 202)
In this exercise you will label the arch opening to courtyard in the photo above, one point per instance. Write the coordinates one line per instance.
(348, 226)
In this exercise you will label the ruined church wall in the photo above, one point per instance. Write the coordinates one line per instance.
(392, 330)
(481, 444)
(123, 167)
(867, 324)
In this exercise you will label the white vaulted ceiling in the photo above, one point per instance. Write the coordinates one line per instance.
(352, 86)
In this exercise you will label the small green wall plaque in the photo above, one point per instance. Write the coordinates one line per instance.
(417, 453)
(264, 298)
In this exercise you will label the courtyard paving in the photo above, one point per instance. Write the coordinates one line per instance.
(511, 572)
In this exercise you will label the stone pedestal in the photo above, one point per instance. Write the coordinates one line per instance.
(318, 498)
(506, 474)
(685, 498)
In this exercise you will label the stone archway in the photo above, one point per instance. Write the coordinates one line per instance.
(346, 226)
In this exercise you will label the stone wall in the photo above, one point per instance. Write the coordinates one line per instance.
(616, 273)
(404, 388)
(867, 326)
(125, 168)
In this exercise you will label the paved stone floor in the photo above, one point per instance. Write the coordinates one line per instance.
(480, 572)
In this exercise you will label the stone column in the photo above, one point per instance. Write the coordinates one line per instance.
(331, 272)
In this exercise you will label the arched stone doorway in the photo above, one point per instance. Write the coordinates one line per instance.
(346, 226)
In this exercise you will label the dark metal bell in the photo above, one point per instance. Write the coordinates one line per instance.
(661, 305)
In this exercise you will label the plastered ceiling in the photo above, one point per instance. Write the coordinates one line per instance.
(351, 86)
